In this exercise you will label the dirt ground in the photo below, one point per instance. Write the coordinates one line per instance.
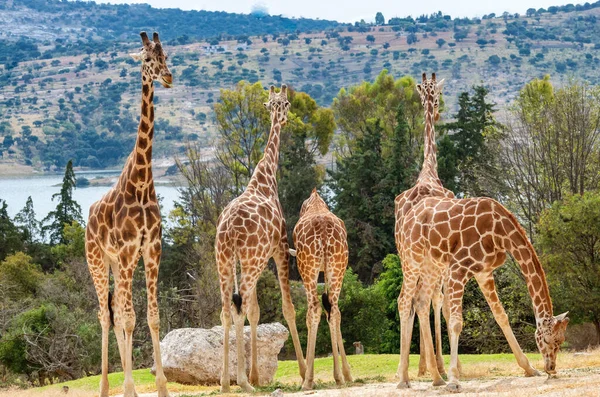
(575, 382)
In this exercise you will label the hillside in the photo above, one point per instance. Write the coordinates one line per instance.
(68, 89)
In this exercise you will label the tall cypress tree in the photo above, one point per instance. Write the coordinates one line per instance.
(67, 210)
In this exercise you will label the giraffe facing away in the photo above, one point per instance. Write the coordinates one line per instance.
(124, 225)
(321, 246)
(251, 229)
(453, 240)
(428, 185)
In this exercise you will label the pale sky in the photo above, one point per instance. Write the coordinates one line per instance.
(354, 10)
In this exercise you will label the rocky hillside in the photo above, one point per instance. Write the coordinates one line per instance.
(68, 89)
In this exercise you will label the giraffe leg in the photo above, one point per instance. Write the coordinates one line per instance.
(225, 265)
(313, 317)
(117, 326)
(446, 314)
(239, 318)
(127, 265)
(488, 287)
(282, 258)
(253, 317)
(99, 271)
(407, 317)
(333, 315)
(422, 307)
(422, 357)
(151, 265)
(438, 298)
(454, 329)
(340, 340)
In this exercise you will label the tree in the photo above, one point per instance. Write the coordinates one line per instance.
(569, 237)
(379, 19)
(360, 201)
(360, 105)
(440, 42)
(243, 124)
(67, 210)
(475, 135)
(551, 145)
(370, 38)
(27, 221)
(11, 239)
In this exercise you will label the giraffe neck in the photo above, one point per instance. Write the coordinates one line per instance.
(264, 177)
(429, 169)
(143, 144)
(524, 254)
(537, 286)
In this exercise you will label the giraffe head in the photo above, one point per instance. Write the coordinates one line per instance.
(278, 104)
(154, 61)
(550, 334)
(429, 91)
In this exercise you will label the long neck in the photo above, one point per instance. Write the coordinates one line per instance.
(264, 177)
(522, 250)
(429, 169)
(143, 144)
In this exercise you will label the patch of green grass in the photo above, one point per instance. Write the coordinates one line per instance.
(367, 368)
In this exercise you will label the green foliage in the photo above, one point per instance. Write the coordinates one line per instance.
(569, 237)
(19, 277)
(474, 135)
(67, 210)
(11, 239)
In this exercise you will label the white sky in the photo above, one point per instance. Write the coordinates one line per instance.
(354, 10)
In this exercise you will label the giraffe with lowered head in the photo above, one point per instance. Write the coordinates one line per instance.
(428, 185)
(321, 246)
(251, 229)
(453, 240)
(124, 225)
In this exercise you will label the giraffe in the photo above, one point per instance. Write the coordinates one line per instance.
(251, 229)
(428, 185)
(457, 239)
(124, 225)
(321, 246)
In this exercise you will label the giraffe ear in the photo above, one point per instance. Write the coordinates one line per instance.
(440, 85)
(137, 56)
(419, 89)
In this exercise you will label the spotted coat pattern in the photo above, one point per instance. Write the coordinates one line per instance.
(250, 230)
(321, 246)
(124, 226)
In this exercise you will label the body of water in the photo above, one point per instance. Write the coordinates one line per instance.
(15, 190)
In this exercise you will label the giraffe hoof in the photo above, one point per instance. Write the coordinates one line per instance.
(454, 388)
(533, 372)
(306, 385)
(403, 385)
(439, 382)
(225, 388)
(247, 388)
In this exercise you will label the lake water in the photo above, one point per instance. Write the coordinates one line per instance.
(15, 190)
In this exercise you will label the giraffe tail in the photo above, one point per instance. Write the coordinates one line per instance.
(326, 303)
(110, 309)
(236, 297)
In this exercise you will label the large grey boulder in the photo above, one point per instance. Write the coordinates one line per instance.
(195, 355)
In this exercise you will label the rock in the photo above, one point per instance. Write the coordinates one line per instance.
(277, 393)
(195, 355)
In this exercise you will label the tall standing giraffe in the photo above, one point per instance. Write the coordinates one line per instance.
(251, 229)
(428, 185)
(125, 225)
(321, 246)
